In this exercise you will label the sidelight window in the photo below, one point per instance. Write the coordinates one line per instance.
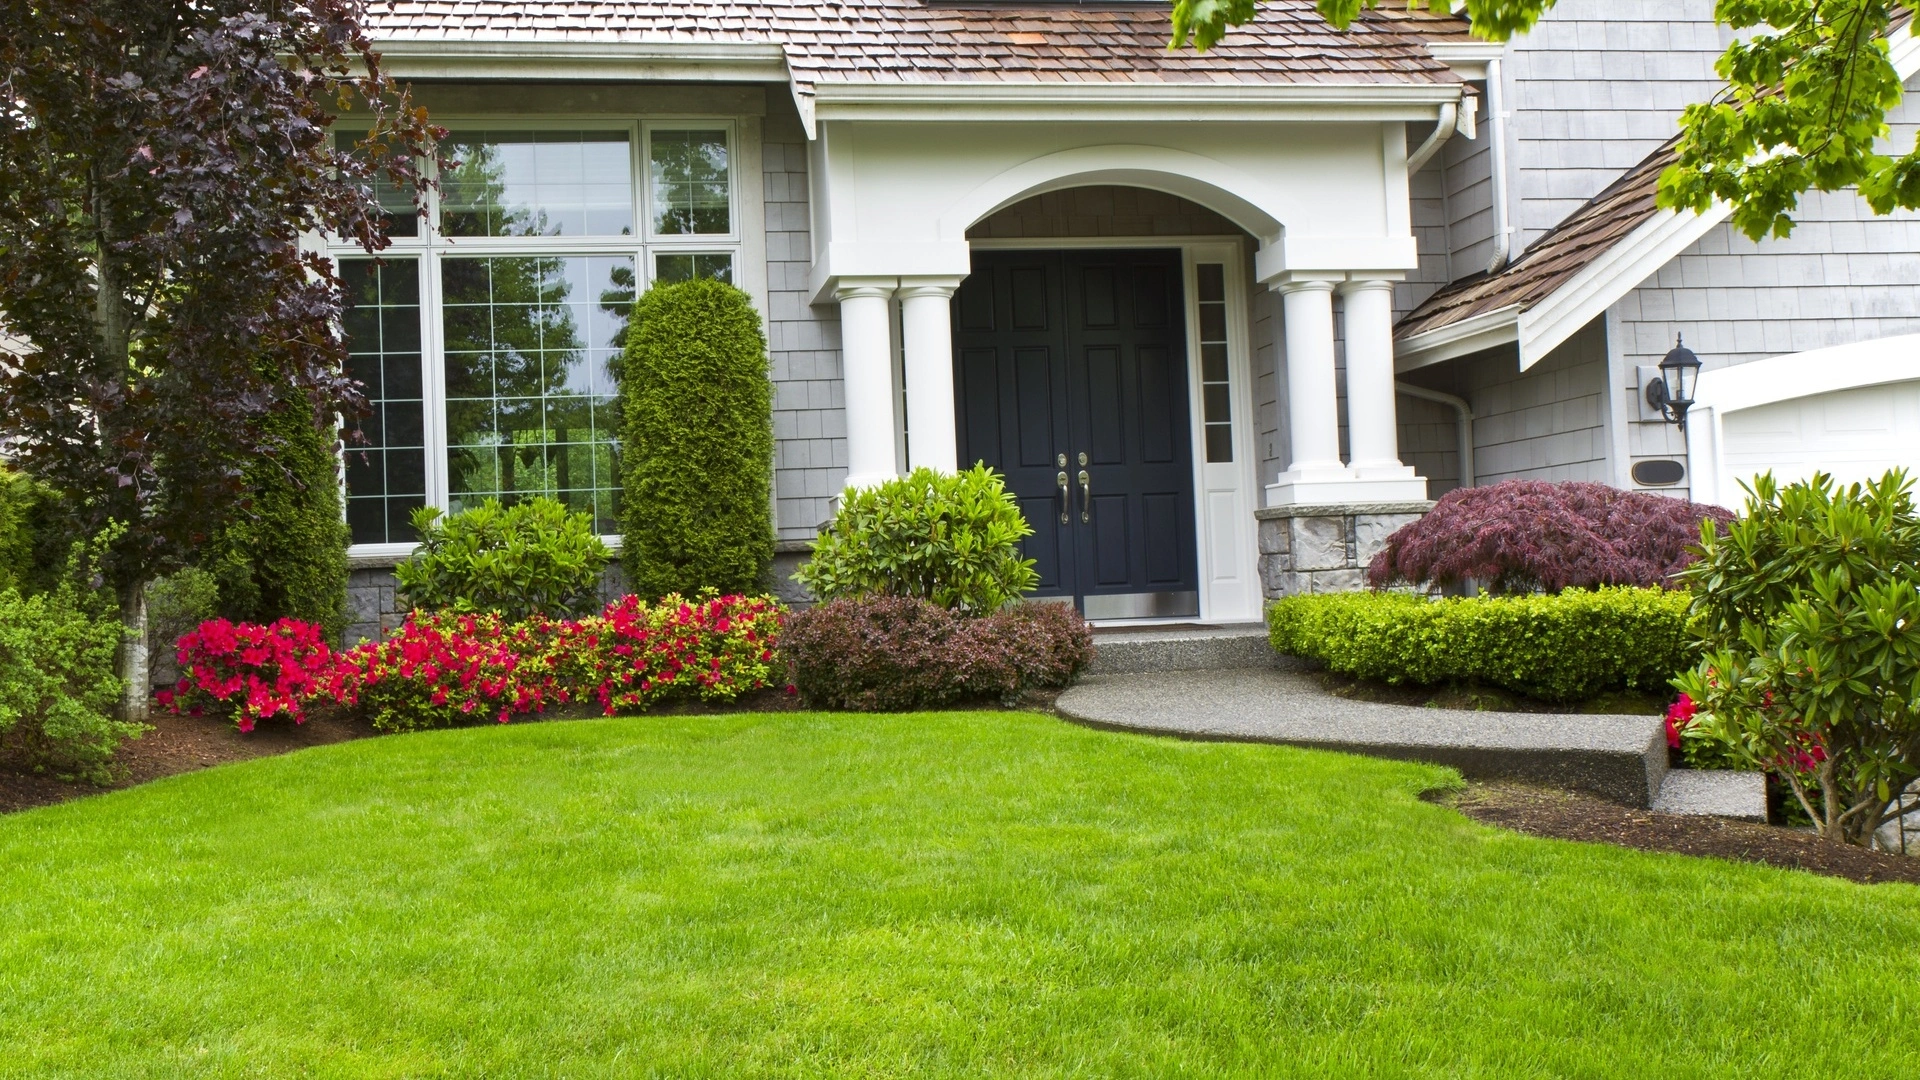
(1216, 399)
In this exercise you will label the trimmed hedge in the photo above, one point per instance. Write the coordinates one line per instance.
(1564, 647)
(696, 510)
(282, 554)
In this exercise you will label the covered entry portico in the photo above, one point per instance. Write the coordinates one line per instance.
(1321, 209)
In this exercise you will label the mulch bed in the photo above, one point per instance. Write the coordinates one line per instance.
(1569, 815)
(1485, 698)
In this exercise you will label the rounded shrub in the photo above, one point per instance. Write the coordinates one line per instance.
(1520, 536)
(949, 538)
(532, 558)
(697, 476)
(282, 552)
(1562, 647)
(883, 653)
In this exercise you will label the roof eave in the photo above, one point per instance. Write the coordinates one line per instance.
(1171, 101)
(1475, 333)
(613, 61)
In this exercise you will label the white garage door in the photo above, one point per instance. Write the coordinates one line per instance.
(1852, 434)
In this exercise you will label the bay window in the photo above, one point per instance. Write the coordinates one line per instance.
(485, 335)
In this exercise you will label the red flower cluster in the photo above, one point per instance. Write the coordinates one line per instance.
(255, 671)
(1679, 716)
(634, 654)
(441, 669)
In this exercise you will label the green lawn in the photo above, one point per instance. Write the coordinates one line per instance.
(953, 894)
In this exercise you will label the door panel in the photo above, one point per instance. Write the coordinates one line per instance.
(1084, 353)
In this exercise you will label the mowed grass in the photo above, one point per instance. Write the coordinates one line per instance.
(954, 894)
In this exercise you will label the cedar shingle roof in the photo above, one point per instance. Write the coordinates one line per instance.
(1555, 257)
(908, 41)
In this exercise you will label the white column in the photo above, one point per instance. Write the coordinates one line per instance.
(1373, 436)
(926, 330)
(1313, 400)
(866, 368)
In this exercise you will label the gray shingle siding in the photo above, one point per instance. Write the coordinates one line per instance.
(1595, 87)
(809, 413)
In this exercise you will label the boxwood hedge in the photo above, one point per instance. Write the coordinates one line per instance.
(1564, 647)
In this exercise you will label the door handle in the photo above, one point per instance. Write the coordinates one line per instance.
(1086, 495)
(1066, 495)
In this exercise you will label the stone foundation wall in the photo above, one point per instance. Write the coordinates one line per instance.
(1321, 549)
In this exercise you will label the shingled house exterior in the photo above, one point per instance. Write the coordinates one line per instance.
(1220, 318)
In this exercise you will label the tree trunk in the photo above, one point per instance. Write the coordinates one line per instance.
(136, 670)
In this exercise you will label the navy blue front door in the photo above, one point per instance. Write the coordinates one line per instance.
(1072, 374)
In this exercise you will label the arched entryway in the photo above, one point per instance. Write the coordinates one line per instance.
(1100, 362)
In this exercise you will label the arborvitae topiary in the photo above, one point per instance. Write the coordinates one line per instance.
(283, 554)
(697, 402)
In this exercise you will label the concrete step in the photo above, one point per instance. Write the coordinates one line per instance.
(1720, 793)
(1618, 757)
(1186, 648)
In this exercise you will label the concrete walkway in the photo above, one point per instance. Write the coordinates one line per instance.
(1618, 757)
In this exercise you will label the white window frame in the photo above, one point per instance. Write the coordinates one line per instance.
(431, 247)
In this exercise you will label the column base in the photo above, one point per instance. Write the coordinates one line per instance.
(1326, 547)
(1390, 484)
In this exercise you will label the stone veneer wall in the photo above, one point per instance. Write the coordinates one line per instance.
(1323, 549)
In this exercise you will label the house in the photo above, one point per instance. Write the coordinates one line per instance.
(1221, 319)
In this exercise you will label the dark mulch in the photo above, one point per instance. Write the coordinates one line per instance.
(179, 744)
(1571, 815)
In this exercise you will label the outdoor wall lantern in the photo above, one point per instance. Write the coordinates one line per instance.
(1672, 392)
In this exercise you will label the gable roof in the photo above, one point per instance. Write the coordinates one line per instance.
(1579, 268)
(909, 41)
(1553, 259)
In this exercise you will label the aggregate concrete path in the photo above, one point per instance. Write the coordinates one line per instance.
(1619, 757)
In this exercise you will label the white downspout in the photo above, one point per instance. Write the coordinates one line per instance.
(1442, 131)
(1463, 423)
(1497, 147)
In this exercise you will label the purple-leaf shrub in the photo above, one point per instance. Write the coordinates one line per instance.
(1521, 535)
(883, 653)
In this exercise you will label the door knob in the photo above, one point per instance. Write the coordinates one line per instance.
(1086, 494)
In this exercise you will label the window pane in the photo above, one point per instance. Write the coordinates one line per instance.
(1215, 397)
(691, 193)
(538, 183)
(530, 408)
(403, 218)
(386, 474)
(668, 269)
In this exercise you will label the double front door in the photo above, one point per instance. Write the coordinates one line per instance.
(1072, 373)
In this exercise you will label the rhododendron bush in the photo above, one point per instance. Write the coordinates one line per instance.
(1522, 536)
(250, 671)
(445, 668)
(1809, 609)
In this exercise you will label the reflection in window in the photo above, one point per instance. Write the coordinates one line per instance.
(1216, 401)
(668, 269)
(538, 183)
(531, 406)
(689, 174)
(386, 475)
(403, 218)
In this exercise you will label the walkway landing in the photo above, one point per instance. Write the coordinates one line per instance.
(1617, 757)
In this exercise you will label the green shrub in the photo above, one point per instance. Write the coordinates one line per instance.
(1809, 608)
(697, 477)
(34, 535)
(282, 553)
(58, 689)
(532, 558)
(1557, 648)
(951, 538)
